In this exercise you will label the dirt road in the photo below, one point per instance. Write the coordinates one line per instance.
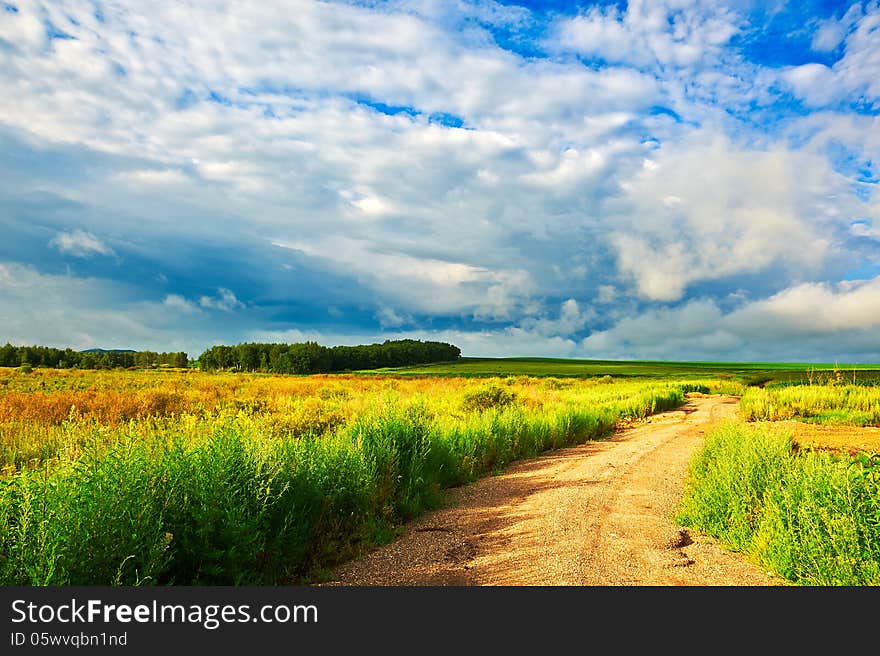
(598, 514)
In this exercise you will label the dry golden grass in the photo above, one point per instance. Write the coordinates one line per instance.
(48, 414)
(851, 440)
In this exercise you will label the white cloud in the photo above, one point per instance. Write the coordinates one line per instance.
(571, 319)
(153, 177)
(432, 285)
(856, 76)
(832, 320)
(179, 303)
(709, 209)
(865, 229)
(24, 29)
(832, 31)
(66, 311)
(599, 184)
(80, 243)
(372, 206)
(388, 318)
(649, 33)
(814, 308)
(813, 82)
(224, 301)
(306, 165)
(607, 294)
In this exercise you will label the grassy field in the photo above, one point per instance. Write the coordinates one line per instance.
(811, 516)
(748, 373)
(845, 404)
(184, 477)
(120, 477)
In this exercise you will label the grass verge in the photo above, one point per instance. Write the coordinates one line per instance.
(812, 517)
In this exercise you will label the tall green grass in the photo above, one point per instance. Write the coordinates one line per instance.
(226, 501)
(812, 517)
(830, 404)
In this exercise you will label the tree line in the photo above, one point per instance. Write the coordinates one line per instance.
(297, 358)
(312, 358)
(47, 356)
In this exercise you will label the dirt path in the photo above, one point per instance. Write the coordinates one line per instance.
(596, 514)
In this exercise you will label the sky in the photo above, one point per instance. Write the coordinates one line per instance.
(674, 179)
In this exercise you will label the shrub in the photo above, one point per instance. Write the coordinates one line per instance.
(490, 396)
(695, 387)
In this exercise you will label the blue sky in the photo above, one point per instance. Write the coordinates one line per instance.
(670, 179)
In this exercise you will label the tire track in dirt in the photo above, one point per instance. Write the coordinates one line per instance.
(597, 514)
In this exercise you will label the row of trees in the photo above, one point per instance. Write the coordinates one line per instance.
(298, 358)
(47, 356)
(312, 358)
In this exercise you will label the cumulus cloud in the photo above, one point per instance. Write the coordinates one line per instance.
(571, 319)
(865, 229)
(855, 76)
(649, 33)
(832, 31)
(710, 209)
(224, 301)
(66, 311)
(179, 303)
(433, 285)
(806, 322)
(813, 82)
(80, 243)
(388, 318)
(356, 170)
(679, 332)
(814, 308)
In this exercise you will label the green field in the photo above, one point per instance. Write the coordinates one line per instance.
(749, 373)
(812, 517)
(183, 477)
(187, 477)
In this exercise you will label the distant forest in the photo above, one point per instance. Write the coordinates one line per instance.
(312, 358)
(297, 358)
(46, 356)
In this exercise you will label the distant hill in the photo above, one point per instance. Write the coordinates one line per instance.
(100, 350)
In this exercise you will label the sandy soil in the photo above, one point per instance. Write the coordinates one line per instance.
(599, 514)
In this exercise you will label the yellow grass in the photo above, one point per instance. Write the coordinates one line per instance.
(50, 414)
